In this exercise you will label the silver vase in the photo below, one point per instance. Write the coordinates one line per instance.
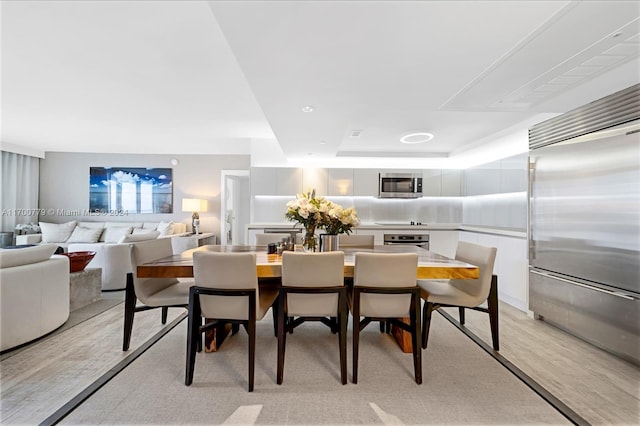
(329, 242)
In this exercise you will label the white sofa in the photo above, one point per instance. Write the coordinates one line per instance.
(107, 239)
(34, 293)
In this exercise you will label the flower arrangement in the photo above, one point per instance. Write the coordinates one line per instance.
(339, 220)
(313, 212)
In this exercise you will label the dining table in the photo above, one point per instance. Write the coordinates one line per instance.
(269, 271)
(430, 265)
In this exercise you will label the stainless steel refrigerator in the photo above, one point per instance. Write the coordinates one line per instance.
(584, 222)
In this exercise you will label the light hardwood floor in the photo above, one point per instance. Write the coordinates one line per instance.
(601, 388)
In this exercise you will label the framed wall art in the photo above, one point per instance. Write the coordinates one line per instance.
(130, 190)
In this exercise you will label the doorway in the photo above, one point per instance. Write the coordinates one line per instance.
(235, 207)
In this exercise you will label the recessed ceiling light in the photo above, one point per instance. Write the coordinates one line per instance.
(323, 142)
(307, 108)
(413, 138)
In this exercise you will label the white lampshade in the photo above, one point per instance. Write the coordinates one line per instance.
(194, 205)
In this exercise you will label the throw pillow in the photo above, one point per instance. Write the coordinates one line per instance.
(165, 228)
(112, 234)
(56, 232)
(85, 235)
(137, 231)
(25, 256)
(132, 238)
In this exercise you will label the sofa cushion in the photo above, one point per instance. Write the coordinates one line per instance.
(107, 225)
(165, 228)
(27, 255)
(141, 236)
(85, 235)
(56, 232)
(143, 231)
(112, 234)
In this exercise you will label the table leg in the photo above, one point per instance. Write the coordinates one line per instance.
(214, 337)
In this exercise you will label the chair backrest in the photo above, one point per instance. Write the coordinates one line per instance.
(264, 239)
(146, 251)
(312, 270)
(225, 271)
(355, 241)
(482, 256)
(385, 270)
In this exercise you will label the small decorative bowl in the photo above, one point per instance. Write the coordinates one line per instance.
(78, 260)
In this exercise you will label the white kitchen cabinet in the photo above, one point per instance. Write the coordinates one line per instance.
(378, 236)
(511, 266)
(340, 182)
(288, 181)
(263, 181)
(482, 180)
(451, 183)
(431, 182)
(313, 178)
(365, 182)
(443, 242)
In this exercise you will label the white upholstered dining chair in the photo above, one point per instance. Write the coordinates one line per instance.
(264, 239)
(225, 292)
(465, 293)
(313, 290)
(151, 292)
(384, 289)
(355, 241)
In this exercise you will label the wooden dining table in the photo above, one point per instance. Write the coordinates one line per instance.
(430, 265)
(269, 269)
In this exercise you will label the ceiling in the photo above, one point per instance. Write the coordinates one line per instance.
(220, 77)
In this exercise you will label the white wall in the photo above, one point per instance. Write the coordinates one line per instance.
(64, 184)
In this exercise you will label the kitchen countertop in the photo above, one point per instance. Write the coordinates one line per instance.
(385, 226)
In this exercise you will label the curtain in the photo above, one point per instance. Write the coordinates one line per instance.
(20, 186)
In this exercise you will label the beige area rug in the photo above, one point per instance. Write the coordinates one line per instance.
(39, 379)
(462, 384)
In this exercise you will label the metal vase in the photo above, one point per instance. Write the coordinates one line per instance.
(329, 242)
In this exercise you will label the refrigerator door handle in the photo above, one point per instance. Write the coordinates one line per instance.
(555, 277)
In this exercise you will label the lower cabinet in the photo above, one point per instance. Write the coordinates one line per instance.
(511, 267)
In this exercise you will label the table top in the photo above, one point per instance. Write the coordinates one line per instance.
(430, 265)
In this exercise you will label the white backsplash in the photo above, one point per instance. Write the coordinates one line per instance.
(498, 210)
(271, 209)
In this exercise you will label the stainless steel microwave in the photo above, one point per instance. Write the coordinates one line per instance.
(399, 185)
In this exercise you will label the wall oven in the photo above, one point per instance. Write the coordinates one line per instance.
(420, 240)
(399, 185)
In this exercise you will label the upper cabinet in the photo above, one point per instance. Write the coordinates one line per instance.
(503, 176)
(441, 183)
(365, 182)
(263, 181)
(276, 181)
(289, 181)
(451, 183)
(314, 179)
(340, 182)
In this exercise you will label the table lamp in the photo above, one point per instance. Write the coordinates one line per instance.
(194, 205)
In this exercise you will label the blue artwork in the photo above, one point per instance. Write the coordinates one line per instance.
(130, 190)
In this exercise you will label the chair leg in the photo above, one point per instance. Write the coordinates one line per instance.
(129, 311)
(251, 329)
(282, 337)
(414, 317)
(342, 318)
(492, 305)
(356, 334)
(274, 313)
(193, 335)
(165, 312)
(461, 315)
(427, 310)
